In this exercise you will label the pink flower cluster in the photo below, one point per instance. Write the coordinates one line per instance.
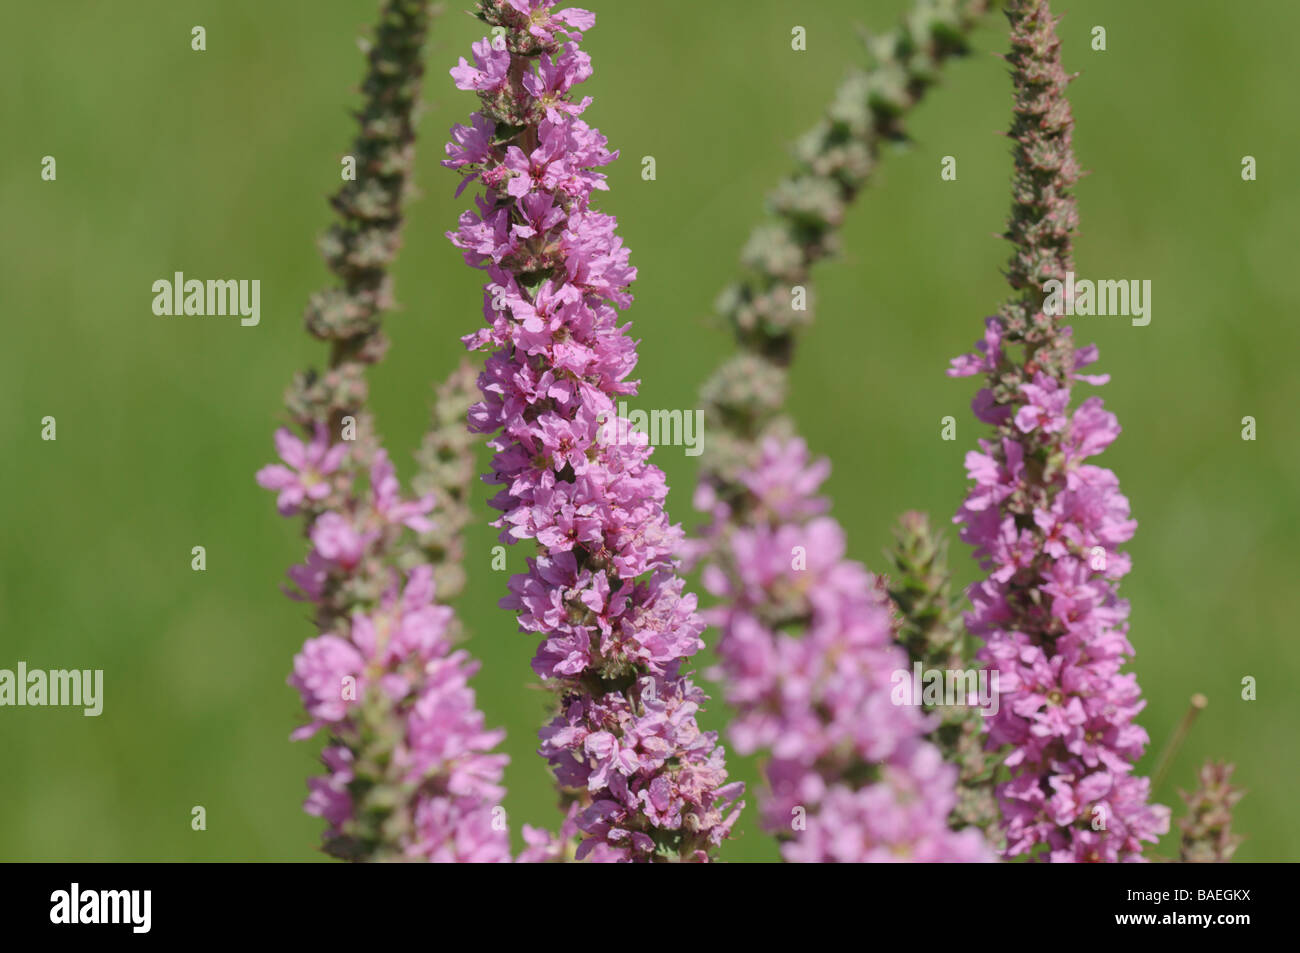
(603, 591)
(543, 847)
(382, 678)
(1046, 526)
(807, 654)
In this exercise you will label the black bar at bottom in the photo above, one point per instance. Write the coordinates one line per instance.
(481, 904)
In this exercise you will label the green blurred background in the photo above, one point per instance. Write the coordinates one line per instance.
(218, 163)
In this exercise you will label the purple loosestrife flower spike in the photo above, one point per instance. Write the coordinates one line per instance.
(928, 625)
(808, 656)
(1207, 829)
(603, 591)
(409, 774)
(1046, 525)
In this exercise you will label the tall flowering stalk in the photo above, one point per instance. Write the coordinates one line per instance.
(808, 656)
(835, 159)
(1045, 524)
(409, 773)
(929, 627)
(1207, 836)
(643, 781)
(445, 471)
(362, 244)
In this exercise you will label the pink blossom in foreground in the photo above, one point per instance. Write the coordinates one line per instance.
(808, 657)
(409, 773)
(410, 769)
(303, 474)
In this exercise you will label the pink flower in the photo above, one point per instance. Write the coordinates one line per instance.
(490, 69)
(555, 77)
(337, 540)
(387, 502)
(327, 673)
(308, 466)
(541, 23)
(1044, 406)
(987, 353)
